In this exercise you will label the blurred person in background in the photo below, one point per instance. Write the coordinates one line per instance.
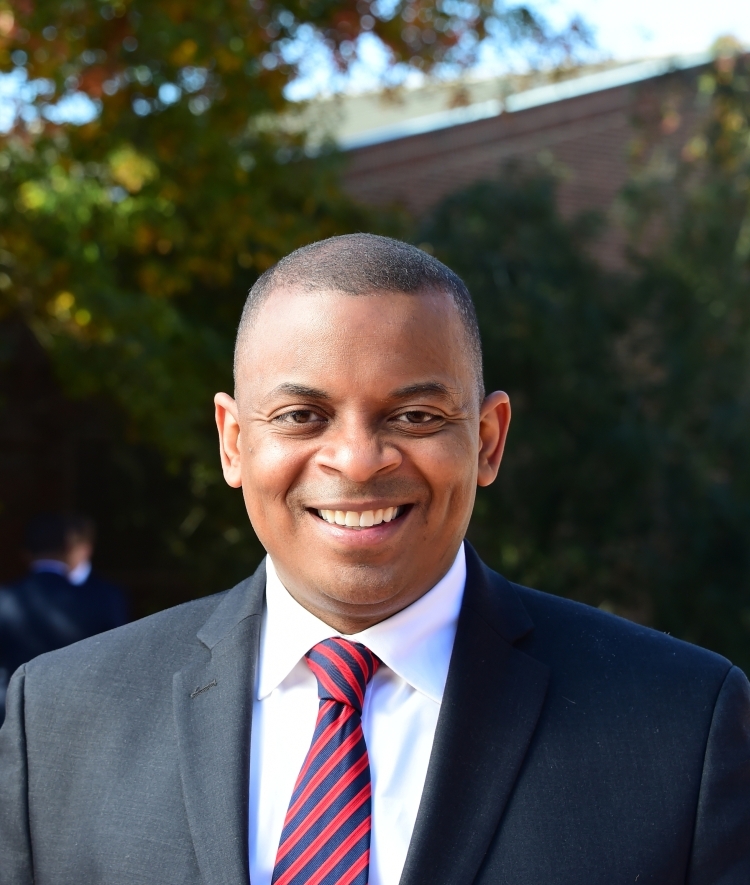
(60, 600)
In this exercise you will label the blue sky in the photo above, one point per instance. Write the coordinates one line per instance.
(637, 28)
(622, 30)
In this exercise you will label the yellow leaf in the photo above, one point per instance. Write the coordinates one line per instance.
(131, 169)
(61, 304)
(32, 195)
(6, 22)
(185, 52)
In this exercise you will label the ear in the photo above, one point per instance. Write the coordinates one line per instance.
(494, 420)
(228, 425)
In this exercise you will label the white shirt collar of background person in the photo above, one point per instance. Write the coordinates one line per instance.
(80, 574)
(399, 715)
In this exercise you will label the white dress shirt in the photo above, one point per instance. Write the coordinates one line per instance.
(399, 715)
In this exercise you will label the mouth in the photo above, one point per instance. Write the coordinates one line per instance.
(356, 520)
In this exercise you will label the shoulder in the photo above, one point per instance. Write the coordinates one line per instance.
(29, 597)
(10, 596)
(139, 660)
(160, 642)
(37, 582)
(100, 585)
(127, 674)
(583, 645)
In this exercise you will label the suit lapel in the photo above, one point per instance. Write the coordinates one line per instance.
(492, 701)
(491, 705)
(213, 700)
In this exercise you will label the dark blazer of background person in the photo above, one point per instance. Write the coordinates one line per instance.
(572, 747)
(44, 611)
(60, 600)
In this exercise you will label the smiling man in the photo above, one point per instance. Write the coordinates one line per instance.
(374, 704)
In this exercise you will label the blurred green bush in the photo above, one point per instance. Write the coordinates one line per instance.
(626, 481)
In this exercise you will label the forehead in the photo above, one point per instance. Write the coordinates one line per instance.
(354, 341)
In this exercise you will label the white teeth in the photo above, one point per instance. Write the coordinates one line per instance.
(356, 519)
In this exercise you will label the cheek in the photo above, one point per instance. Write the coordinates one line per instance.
(451, 470)
(269, 469)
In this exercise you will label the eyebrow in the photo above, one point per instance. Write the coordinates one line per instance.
(431, 388)
(300, 390)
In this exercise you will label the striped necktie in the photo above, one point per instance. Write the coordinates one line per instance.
(326, 835)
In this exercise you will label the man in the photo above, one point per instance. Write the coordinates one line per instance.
(374, 704)
(60, 601)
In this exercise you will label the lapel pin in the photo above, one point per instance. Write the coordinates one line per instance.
(198, 691)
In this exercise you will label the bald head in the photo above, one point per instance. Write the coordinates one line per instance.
(364, 265)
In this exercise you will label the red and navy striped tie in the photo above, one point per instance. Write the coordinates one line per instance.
(326, 835)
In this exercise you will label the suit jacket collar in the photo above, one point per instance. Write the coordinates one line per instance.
(243, 601)
(492, 702)
(492, 597)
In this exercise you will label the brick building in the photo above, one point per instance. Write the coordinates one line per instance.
(588, 128)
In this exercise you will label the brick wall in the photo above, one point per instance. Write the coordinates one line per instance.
(589, 139)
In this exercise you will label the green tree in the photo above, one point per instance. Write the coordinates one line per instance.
(687, 367)
(548, 317)
(146, 181)
(626, 481)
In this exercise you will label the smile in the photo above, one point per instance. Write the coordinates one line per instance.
(356, 519)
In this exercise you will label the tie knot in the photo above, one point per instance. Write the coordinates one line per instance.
(343, 669)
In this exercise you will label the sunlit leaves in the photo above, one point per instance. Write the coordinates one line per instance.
(130, 169)
(145, 184)
(137, 47)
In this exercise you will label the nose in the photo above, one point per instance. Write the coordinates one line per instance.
(356, 450)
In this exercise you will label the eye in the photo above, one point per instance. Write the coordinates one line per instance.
(417, 418)
(300, 418)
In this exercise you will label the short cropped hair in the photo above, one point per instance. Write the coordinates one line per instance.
(364, 264)
(51, 534)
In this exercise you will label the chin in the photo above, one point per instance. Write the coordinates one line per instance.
(360, 584)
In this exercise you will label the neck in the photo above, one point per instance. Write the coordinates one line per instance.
(361, 605)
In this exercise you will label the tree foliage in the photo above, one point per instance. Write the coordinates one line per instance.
(626, 481)
(688, 367)
(131, 238)
(145, 182)
(547, 319)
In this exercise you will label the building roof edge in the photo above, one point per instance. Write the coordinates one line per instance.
(530, 98)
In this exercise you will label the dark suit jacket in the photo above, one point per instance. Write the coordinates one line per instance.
(572, 748)
(44, 611)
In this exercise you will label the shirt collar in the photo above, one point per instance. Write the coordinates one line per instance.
(80, 574)
(416, 643)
